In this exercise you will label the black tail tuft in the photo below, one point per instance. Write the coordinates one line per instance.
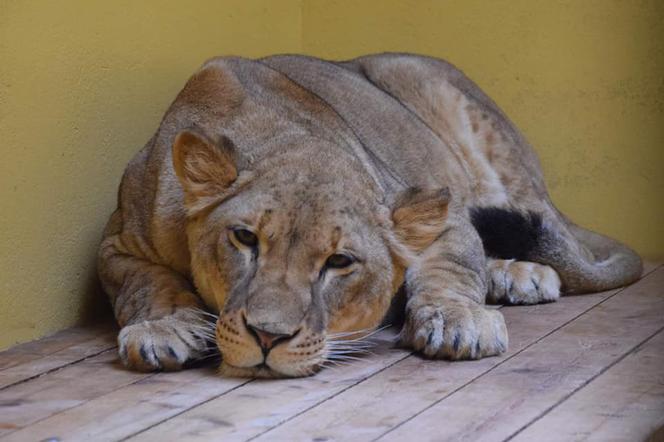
(506, 233)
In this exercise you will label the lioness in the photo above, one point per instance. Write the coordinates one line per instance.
(294, 196)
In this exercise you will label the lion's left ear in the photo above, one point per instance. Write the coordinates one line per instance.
(204, 167)
(419, 217)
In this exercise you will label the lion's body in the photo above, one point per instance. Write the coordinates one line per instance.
(338, 138)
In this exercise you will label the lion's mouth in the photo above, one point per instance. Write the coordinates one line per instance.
(262, 370)
(302, 354)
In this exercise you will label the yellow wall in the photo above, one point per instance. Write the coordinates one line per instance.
(84, 83)
(584, 80)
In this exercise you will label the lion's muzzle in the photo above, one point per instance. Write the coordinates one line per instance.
(248, 349)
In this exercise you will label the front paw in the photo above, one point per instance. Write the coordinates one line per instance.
(454, 328)
(162, 344)
(521, 282)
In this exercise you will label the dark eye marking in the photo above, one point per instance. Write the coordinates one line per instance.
(245, 237)
(339, 261)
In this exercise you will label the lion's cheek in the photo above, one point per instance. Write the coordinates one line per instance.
(362, 315)
(210, 284)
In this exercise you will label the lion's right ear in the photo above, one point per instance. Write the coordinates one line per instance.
(419, 217)
(204, 167)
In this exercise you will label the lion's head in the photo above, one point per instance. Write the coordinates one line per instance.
(296, 248)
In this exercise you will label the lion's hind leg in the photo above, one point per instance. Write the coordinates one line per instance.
(521, 282)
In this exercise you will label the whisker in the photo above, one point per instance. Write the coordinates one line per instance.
(350, 341)
(209, 356)
(208, 326)
(350, 344)
(341, 351)
(368, 333)
(351, 352)
(203, 330)
(204, 333)
(198, 327)
(335, 363)
(349, 333)
(348, 350)
(204, 313)
(344, 358)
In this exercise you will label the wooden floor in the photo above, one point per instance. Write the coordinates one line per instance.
(585, 368)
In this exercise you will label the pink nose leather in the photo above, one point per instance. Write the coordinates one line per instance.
(265, 339)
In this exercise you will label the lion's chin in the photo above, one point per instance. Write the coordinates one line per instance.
(260, 371)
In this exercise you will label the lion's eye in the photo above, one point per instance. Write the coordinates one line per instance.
(339, 261)
(246, 237)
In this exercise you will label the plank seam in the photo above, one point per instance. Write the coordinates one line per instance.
(186, 410)
(42, 356)
(509, 358)
(412, 354)
(631, 351)
(83, 403)
(2, 436)
(329, 397)
(54, 369)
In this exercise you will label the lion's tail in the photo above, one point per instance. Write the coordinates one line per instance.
(587, 261)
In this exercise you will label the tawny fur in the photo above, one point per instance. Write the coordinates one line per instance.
(379, 158)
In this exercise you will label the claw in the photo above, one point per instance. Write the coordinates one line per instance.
(144, 353)
(162, 344)
(172, 353)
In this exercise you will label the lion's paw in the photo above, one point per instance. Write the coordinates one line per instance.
(162, 344)
(522, 282)
(455, 329)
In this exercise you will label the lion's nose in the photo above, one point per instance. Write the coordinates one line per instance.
(267, 340)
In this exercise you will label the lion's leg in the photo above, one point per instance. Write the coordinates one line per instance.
(161, 318)
(445, 312)
(521, 282)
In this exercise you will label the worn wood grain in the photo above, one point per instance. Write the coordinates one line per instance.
(507, 399)
(71, 386)
(262, 404)
(386, 399)
(564, 358)
(58, 344)
(132, 408)
(35, 366)
(624, 403)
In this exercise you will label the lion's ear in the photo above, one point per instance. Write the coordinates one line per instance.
(204, 167)
(419, 217)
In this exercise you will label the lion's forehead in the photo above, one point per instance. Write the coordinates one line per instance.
(308, 211)
(317, 227)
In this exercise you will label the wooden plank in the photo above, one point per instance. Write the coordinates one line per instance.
(624, 403)
(73, 385)
(36, 366)
(24, 353)
(56, 343)
(130, 409)
(261, 404)
(386, 399)
(73, 401)
(505, 400)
